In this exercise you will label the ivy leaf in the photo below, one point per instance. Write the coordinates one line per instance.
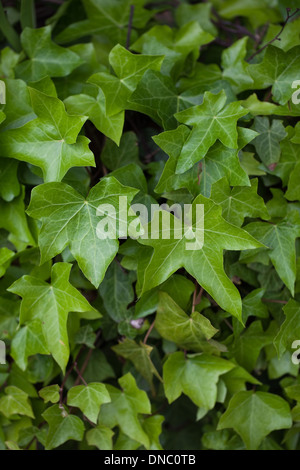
(95, 108)
(280, 239)
(129, 69)
(239, 202)
(290, 329)
(157, 97)
(50, 393)
(245, 411)
(205, 264)
(235, 68)
(108, 18)
(44, 56)
(117, 292)
(76, 227)
(62, 427)
(124, 409)
(196, 376)
(115, 157)
(15, 402)
(9, 184)
(211, 120)
(176, 45)
(14, 220)
(189, 332)
(139, 355)
(267, 142)
(51, 303)
(185, 12)
(6, 256)
(28, 341)
(89, 398)
(54, 133)
(279, 70)
(248, 346)
(100, 437)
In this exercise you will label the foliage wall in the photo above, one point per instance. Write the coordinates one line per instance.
(134, 343)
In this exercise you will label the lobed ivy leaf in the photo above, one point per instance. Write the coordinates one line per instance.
(211, 120)
(76, 227)
(62, 427)
(89, 399)
(245, 412)
(44, 56)
(50, 141)
(51, 304)
(204, 264)
(196, 376)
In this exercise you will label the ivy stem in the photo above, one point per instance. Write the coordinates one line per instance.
(148, 332)
(277, 38)
(129, 26)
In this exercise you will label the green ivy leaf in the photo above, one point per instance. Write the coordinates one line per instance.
(189, 332)
(196, 376)
(62, 427)
(290, 329)
(139, 355)
(204, 264)
(89, 398)
(124, 409)
(100, 437)
(53, 133)
(279, 70)
(44, 56)
(211, 120)
(77, 226)
(28, 341)
(15, 402)
(50, 394)
(239, 202)
(51, 303)
(245, 411)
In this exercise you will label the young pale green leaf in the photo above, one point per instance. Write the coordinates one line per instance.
(94, 108)
(235, 68)
(124, 409)
(51, 304)
(129, 69)
(195, 375)
(62, 427)
(50, 393)
(254, 415)
(15, 402)
(189, 332)
(89, 398)
(51, 141)
(28, 341)
(75, 225)
(176, 45)
(100, 437)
